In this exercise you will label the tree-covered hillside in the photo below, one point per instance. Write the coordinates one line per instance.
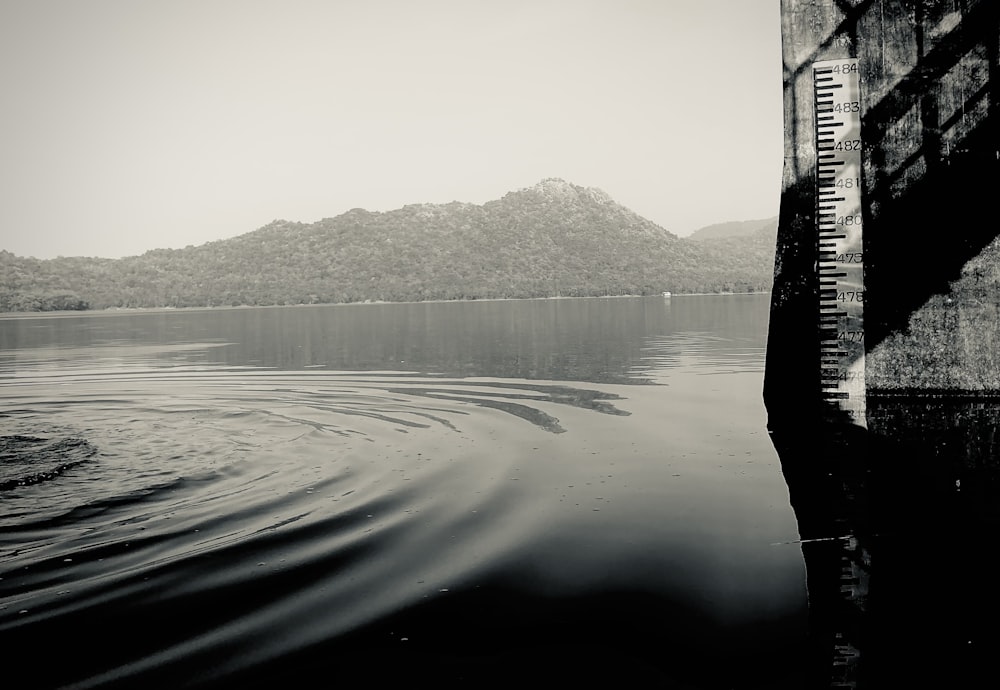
(737, 228)
(551, 239)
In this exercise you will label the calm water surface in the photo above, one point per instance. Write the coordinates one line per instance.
(462, 493)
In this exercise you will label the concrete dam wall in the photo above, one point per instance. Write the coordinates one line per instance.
(882, 381)
(929, 108)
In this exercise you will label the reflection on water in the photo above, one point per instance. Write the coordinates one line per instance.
(446, 492)
(896, 523)
(609, 340)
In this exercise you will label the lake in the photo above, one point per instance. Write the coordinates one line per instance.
(558, 490)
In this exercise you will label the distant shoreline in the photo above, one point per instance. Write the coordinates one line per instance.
(111, 311)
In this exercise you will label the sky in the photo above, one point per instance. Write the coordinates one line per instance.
(127, 126)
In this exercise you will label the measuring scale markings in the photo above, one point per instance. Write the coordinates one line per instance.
(840, 257)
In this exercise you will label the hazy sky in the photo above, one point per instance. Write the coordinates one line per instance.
(128, 125)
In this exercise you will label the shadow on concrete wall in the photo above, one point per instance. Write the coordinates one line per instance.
(895, 519)
(931, 174)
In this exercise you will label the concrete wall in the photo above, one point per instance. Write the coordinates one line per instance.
(930, 94)
(894, 517)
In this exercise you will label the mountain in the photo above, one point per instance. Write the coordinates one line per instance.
(738, 228)
(551, 239)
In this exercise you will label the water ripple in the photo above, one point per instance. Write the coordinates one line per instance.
(26, 460)
(226, 519)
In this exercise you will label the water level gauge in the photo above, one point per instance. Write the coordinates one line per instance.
(839, 226)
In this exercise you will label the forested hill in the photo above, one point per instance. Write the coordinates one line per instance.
(551, 239)
(733, 229)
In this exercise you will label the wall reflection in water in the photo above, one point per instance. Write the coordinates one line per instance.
(898, 526)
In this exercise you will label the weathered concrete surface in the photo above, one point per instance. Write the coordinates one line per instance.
(930, 90)
(894, 518)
